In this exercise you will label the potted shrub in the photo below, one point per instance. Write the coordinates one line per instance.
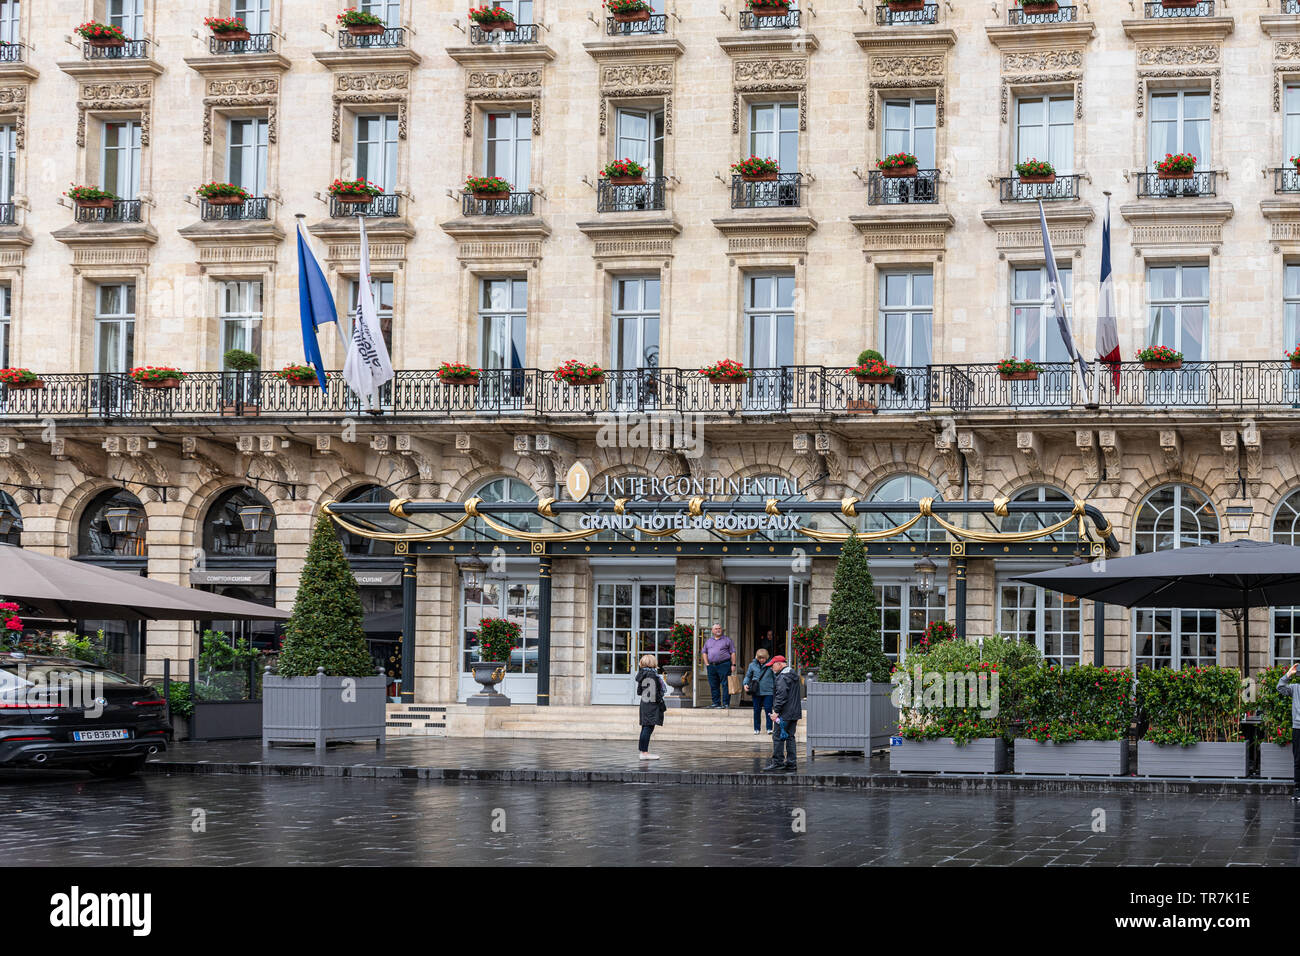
(487, 188)
(457, 373)
(726, 372)
(1073, 720)
(627, 11)
(1160, 356)
(1035, 8)
(101, 34)
(20, 378)
(757, 169)
(624, 172)
(325, 687)
(497, 637)
(574, 372)
(227, 28)
(298, 375)
(872, 369)
(157, 376)
(1274, 710)
(223, 194)
(1293, 357)
(898, 166)
(1176, 165)
(492, 19)
(238, 363)
(360, 24)
(768, 8)
(1193, 721)
(849, 704)
(1018, 370)
(1036, 170)
(91, 197)
(354, 192)
(681, 659)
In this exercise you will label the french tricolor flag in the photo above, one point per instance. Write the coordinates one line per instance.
(1107, 332)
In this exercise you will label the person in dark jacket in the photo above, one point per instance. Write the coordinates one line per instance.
(1288, 689)
(650, 689)
(787, 710)
(758, 685)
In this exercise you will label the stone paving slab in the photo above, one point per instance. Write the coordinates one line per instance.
(602, 761)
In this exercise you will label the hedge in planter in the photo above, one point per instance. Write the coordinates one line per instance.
(1193, 719)
(1072, 721)
(1274, 710)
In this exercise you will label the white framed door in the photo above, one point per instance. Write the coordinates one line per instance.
(631, 618)
(512, 596)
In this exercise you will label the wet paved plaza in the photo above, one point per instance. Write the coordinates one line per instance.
(60, 818)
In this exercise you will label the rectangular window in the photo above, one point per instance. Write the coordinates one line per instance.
(521, 10)
(382, 290)
(6, 326)
(1035, 333)
(240, 311)
(503, 318)
(115, 328)
(640, 136)
(1179, 298)
(905, 612)
(120, 162)
(774, 133)
(390, 11)
(246, 155)
(906, 318)
(129, 16)
(256, 14)
(769, 321)
(1045, 130)
(1291, 305)
(9, 10)
(8, 162)
(909, 128)
(636, 323)
(1044, 619)
(377, 150)
(1180, 123)
(507, 148)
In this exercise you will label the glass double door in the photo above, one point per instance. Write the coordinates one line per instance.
(515, 599)
(632, 619)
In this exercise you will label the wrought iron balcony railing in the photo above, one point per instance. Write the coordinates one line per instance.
(1291, 6)
(130, 50)
(1201, 183)
(1157, 9)
(658, 23)
(387, 206)
(256, 208)
(787, 21)
(1016, 16)
(1286, 179)
(11, 53)
(522, 33)
(7, 214)
(122, 210)
(885, 190)
(513, 204)
(256, 43)
(390, 38)
(1015, 189)
(791, 390)
(927, 13)
(622, 197)
(764, 194)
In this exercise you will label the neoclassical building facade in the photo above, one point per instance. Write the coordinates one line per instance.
(217, 482)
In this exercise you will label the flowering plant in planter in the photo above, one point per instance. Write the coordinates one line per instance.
(223, 194)
(357, 21)
(624, 171)
(937, 631)
(1273, 709)
(1014, 368)
(493, 18)
(576, 373)
(1036, 170)
(757, 168)
(298, 375)
(897, 5)
(1084, 702)
(768, 8)
(681, 645)
(354, 190)
(157, 376)
(487, 187)
(90, 196)
(626, 10)
(20, 378)
(898, 165)
(1176, 166)
(1195, 704)
(227, 28)
(101, 34)
(1039, 6)
(726, 372)
(874, 371)
(809, 642)
(1160, 356)
(13, 624)
(457, 373)
(497, 637)
(1293, 357)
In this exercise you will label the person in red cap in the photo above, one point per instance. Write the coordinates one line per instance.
(787, 709)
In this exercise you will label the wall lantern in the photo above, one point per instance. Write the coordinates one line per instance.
(256, 518)
(925, 570)
(1239, 518)
(124, 520)
(473, 570)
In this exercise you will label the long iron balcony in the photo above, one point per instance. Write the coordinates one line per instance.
(793, 390)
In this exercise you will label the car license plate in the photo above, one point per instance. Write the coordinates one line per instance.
(83, 735)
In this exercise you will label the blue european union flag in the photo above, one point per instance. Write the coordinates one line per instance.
(315, 303)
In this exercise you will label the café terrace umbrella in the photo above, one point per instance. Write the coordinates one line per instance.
(72, 590)
(1232, 576)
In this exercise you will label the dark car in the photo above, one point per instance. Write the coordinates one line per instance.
(55, 711)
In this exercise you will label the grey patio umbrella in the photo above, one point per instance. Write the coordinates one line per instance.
(70, 590)
(1232, 575)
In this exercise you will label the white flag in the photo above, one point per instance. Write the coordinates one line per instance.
(368, 366)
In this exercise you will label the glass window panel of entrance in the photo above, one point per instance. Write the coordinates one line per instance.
(1286, 620)
(512, 596)
(632, 619)
(905, 611)
(903, 488)
(1042, 618)
(1171, 517)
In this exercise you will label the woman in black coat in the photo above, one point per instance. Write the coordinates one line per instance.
(650, 689)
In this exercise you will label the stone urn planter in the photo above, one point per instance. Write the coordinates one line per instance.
(321, 710)
(676, 676)
(900, 172)
(1275, 761)
(1198, 760)
(1088, 758)
(488, 674)
(849, 716)
(986, 755)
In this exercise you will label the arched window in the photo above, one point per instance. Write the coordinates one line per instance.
(240, 523)
(113, 525)
(505, 489)
(904, 488)
(1286, 620)
(354, 545)
(1172, 517)
(11, 520)
(1047, 495)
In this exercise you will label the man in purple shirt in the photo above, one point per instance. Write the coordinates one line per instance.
(719, 659)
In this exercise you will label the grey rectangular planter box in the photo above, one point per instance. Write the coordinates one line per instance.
(314, 710)
(226, 720)
(986, 755)
(1275, 762)
(1090, 758)
(858, 716)
(1198, 760)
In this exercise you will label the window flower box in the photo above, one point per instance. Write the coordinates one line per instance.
(227, 28)
(1293, 357)
(757, 169)
(1178, 4)
(946, 755)
(223, 194)
(874, 371)
(487, 188)
(898, 166)
(726, 372)
(574, 372)
(1016, 370)
(624, 172)
(493, 19)
(904, 6)
(455, 373)
(361, 24)
(20, 378)
(298, 375)
(628, 11)
(102, 35)
(768, 8)
(1035, 9)
(1176, 166)
(150, 376)
(1160, 357)
(89, 197)
(355, 192)
(1036, 170)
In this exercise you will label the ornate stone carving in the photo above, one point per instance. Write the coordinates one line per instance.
(504, 86)
(1171, 445)
(372, 88)
(1178, 55)
(637, 79)
(13, 101)
(1187, 73)
(917, 71)
(769, 76)
(1111, 456)
(1043, 78)
(1030, 446)
(1042, 60)
(251, 91)
(125, 97)
(1083, 440)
